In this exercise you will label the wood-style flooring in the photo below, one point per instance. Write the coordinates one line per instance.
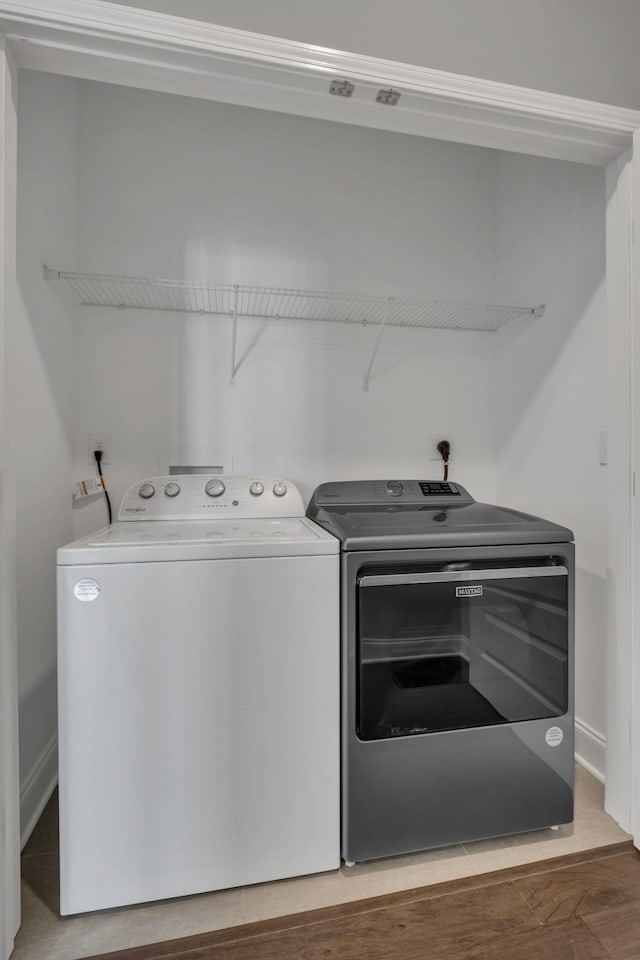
(583, 906)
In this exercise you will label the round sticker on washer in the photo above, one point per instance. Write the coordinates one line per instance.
(86, 589)
(554, 736)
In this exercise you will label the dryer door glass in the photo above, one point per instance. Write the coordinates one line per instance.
(445, 650)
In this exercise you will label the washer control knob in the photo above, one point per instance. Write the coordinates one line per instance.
(214, 488)
(280, 489)
(146, 491)
(395, 488)
(172, 489)
(256, 489)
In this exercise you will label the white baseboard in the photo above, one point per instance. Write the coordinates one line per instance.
(37, 789)
(590, 749)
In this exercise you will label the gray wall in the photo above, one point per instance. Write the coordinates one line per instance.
(582, 48)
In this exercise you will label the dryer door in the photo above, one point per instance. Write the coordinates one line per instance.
(450, 649)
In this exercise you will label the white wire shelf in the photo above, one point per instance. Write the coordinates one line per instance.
(280, 303)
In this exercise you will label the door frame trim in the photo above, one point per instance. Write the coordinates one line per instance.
(9, 766)
(96, 40)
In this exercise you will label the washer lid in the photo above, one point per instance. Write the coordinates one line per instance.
(153, 540)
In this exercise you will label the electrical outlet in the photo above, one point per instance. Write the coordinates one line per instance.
(433, 454)
(99, 441)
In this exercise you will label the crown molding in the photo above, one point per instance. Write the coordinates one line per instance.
(112, 43)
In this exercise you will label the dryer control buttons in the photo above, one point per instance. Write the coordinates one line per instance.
(256, 488)
(395, 488)
(172, 489)
(146, 491)
(280, 489)
(214, 488)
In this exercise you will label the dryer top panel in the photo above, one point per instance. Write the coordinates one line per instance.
(403, 514)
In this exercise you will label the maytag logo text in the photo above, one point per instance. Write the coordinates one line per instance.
(469, 591)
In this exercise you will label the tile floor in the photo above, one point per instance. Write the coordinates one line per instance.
(45, 936)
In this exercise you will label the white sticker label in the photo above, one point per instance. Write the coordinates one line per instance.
(554, 736)
(86, 589)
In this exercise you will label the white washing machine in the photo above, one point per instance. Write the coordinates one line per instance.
(198, 671)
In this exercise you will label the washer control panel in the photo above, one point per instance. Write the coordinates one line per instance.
(194, 496)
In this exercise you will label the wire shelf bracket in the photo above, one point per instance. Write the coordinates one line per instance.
(235, 301)
(234, 338)
(376, 346)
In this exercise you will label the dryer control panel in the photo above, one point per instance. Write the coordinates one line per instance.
(196, 496)
(376, 493)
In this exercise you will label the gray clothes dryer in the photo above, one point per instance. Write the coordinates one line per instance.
(457, 666)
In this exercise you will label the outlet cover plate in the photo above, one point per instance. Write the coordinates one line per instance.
(99, 441)
(432, 446)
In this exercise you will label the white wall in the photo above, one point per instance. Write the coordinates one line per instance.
(180, 188)
(549, 393)
(43, 365)
(581, 48)
(163, 186)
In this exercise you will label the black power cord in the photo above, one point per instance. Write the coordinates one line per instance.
(98, 455)
(444, 449)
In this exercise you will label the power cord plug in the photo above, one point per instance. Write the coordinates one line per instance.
(444, 449)
(98, 458)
